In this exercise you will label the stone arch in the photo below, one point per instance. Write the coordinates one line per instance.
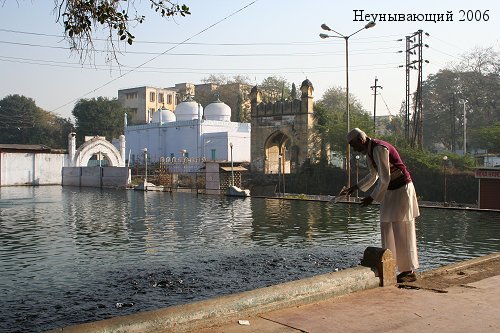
(295, 120)
(277, 153)
(94, 146)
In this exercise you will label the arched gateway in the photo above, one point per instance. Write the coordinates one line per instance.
(282, 136)
(96, 146)
(109, 171)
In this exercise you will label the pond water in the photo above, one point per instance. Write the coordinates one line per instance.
(70, 255)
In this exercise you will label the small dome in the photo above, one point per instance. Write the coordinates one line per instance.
(188, 110)
(218, 111)
(163, 115)
(306, 83)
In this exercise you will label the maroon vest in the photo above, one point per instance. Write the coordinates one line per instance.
(395, 164)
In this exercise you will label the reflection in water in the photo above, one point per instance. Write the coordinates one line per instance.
(68, 255)
(295, 222)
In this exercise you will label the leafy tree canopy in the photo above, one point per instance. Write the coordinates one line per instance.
(475, 80)
(488, 137)
(331, 117)
(275, 88)
(99, 116)
(23, 122)
(82, 18)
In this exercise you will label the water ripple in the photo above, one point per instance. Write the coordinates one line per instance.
(68, 255)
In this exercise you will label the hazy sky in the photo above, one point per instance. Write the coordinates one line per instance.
(269, 37)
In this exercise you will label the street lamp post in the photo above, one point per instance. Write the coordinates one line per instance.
(183, 153)
(357, 167)
(346, 38)
(232, 173)
(145, 150)
(279, 175)
(205, 147)
(445, 158)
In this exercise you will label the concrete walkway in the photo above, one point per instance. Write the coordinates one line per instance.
(469, 307)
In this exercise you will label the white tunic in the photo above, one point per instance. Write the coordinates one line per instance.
(398, 210)
(395, 205)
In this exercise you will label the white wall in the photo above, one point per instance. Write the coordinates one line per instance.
(96, 176)
(28, 168)
(167, 139)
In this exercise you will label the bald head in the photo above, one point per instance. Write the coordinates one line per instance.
(356, 133)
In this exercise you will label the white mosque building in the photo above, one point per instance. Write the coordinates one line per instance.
(192, 132)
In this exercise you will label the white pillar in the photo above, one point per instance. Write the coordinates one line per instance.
(122, 149)
(71, 148)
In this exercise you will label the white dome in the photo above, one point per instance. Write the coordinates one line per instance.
(187, 110)
(218, 111)
(163, 115)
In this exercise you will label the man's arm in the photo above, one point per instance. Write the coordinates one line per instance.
(381, 157)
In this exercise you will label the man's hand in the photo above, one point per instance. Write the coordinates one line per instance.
(366, 201)
(348, 191)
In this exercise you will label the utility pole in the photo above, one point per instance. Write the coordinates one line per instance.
(465, 127)
(420, 132)
(414, 46)
(407, 104)
(374, 87)
(452, 118)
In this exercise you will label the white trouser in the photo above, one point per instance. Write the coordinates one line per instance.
(400, 238)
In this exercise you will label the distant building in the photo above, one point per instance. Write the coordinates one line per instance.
(191, 132)
(142, 102)
(236, 95)
(489, 187)
(283, 136)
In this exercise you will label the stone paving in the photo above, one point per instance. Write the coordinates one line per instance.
(456, 298)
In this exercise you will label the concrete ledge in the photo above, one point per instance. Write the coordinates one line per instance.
(460, 265)
(383, 261)
(192, 316)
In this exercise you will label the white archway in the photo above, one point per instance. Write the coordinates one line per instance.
(94, 146)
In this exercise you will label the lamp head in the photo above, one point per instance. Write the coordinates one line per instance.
(370, 25)
(325, 27)
(323, 36)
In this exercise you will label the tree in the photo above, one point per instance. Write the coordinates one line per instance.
(23, 122)
(335, 118)
(293, 92)
(81, 18)
(99, 116)
(323, 128)
(275, 88)
(488, 137)
(480, 60)
(476, 79)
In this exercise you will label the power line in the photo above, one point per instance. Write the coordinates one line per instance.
(387, 107)
(375, 39)
(65, 64)
(361, 51)
(155, 57)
